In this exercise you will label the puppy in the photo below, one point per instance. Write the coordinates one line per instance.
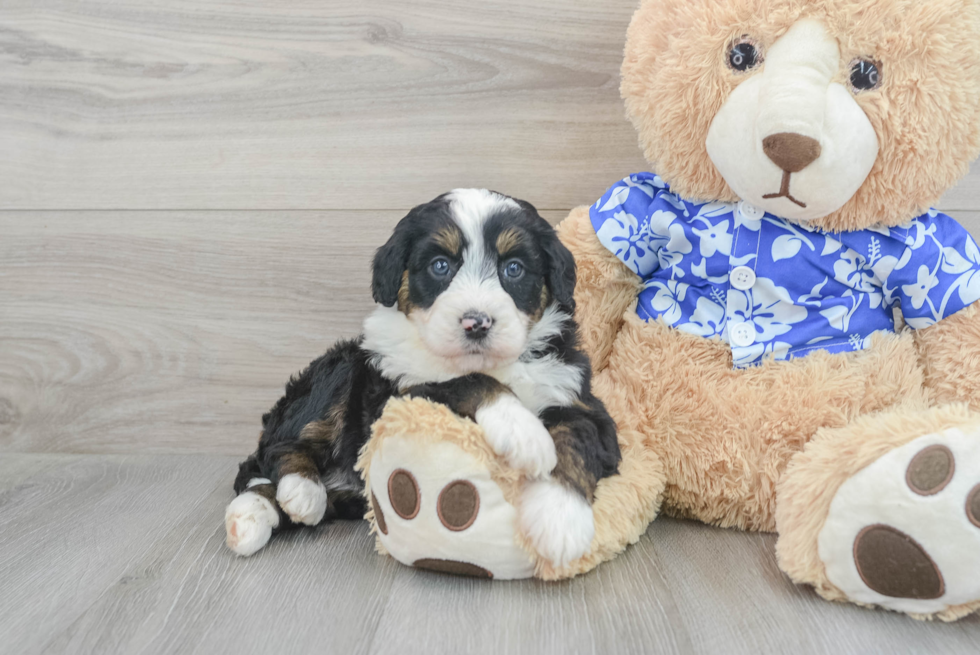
(475, 312)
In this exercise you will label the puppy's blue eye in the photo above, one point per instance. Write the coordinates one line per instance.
(440, 267)
(513, 270)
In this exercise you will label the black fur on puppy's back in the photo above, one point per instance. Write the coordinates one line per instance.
(331, 406)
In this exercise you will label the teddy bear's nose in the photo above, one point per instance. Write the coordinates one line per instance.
(790, 151)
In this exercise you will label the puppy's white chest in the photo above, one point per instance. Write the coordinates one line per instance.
(544, 382)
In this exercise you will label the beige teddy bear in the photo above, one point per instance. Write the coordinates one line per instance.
(787, 336)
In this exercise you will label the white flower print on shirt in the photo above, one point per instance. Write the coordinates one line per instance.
(865, 274)
(715, 239)
(707, 320)
(667, 234)
(918, 293)
(625, 237)
(768, 307)
(812, 290)
(667, 301)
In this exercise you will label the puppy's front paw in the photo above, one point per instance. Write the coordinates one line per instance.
(249, 520)
(557, 520)
(517, 435)
(303, 500)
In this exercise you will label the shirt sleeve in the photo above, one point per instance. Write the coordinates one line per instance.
(621, 221)
(938, 273)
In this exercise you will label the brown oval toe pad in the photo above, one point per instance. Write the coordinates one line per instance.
(931, 470)
(379, 516)
(891, 563)
(403, 493)
(459, 503)
(973, 506)
(453, 567)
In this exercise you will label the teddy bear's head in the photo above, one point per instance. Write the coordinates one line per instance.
(841, 113)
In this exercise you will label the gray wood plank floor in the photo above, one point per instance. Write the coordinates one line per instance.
(191, 194)
(125, 554)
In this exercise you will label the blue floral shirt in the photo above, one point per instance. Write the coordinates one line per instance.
(772, 288)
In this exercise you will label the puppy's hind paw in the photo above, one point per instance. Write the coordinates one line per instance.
(249, 521)
(557, 520)
(517, 435)
(303, 500)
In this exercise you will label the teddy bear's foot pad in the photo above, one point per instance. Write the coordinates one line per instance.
(892, 564)
(904, 532)
(453, 567)
(437, 507)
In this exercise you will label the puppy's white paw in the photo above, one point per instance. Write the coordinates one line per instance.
(303, 500)
(557, 520)
(517, 435)
(249, 520)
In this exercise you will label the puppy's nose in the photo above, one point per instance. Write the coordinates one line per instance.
(476, 324)
(790, 151)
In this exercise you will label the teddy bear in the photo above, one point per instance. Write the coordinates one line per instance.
(785, 332)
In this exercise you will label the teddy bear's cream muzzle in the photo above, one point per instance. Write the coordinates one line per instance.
(790, 139)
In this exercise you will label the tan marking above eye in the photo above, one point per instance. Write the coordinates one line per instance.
(379, 516)
(508, 240)
(973, 506)
(403, 493)
(458, 505)
(893, 564)
(450, 240)
(931, 470)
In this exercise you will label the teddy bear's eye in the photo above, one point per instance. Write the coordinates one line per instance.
(865, 75)
(743, 56)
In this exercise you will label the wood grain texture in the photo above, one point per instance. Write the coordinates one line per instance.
(170, 331)
(167, 325)
(72, 530)
(306, 104)
(125, 555)
(965, 196)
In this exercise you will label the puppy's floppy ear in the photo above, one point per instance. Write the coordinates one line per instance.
(390, 263)
(561, 264)
(561, 271)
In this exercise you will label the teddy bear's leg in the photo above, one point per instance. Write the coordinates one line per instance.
(886, 512)
(604, 290)
(439, 498)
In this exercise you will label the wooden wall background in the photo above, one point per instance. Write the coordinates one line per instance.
(190, 194)
(190, 191)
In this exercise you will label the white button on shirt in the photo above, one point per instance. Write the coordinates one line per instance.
(743, 278)
(750, 211)
(742, 335)
(812, 292)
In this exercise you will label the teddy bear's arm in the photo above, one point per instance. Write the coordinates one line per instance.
(605, 286)
(950, 355)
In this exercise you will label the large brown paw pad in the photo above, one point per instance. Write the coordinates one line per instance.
(453, 567)
(893, 564)
(438, 508)
(904, 532)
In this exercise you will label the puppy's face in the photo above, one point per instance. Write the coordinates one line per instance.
(473, 271)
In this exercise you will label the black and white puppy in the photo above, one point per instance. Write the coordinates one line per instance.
(475, 311)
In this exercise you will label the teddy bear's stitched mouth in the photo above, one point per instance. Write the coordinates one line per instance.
(784, 191)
